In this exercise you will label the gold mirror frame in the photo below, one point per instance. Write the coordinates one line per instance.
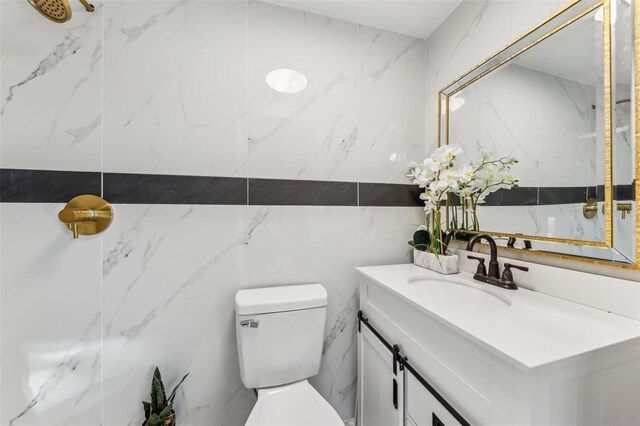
(555, 23)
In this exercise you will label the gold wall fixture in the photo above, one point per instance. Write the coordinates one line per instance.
(624, 208)
(86, 215)
(590, 208)
(57, 11)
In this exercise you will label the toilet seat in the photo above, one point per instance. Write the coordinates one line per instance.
(296, 404)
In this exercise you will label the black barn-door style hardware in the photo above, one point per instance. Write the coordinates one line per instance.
(401, 362)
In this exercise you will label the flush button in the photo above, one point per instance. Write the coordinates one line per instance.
(249, 323)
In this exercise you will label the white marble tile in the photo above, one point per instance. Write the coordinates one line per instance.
(546, 125)
(473, 31)
(526, 14)
(169, 277)
(391, 104)
(311, 134)
(175, 87)
(493, 119)
(293, 245)
(566, 117)
(51, 84)
(557, 220)
(51, 357)
(384, 233)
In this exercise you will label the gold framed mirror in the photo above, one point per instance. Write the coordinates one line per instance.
(559, 100)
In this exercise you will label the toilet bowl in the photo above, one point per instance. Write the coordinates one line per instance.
(280, 332)
(296, 404)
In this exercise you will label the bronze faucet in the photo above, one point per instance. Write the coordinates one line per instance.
(493, 276)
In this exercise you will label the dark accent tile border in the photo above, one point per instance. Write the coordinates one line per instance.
(523, 196)
(279, 192)
(625, 192)
(568, 195)
(46, 186)
(125, 188)
(389, 195)
(50, 186)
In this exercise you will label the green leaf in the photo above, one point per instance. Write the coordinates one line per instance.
(154, 420)
(421, 237)
(147, 409)
(165, 413)
(158, 396)
(173, 393)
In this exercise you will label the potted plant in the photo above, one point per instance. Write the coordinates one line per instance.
(436, 178)
(159, 411)
(470, 184)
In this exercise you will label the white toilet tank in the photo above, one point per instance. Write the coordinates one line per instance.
(280, 332)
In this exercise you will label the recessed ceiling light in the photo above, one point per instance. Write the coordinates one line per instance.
(286, 81)
(599, 16)
(455, 103)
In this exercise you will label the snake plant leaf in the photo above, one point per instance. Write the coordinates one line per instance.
(158, 397)
(164, 414)
(147, 409)
(154, 420)
(421, 237)
(173, 393)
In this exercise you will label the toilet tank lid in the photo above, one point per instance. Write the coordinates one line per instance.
(280, 299)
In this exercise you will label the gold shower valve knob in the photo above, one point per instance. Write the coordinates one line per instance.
(86, 215)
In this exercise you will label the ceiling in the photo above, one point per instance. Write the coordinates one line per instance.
(417, 18)
(582, 43)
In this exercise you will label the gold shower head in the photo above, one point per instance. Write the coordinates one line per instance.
(57, 10)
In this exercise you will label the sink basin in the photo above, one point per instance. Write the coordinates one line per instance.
(456, 293)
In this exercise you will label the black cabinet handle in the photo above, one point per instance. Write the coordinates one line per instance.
(395, 394)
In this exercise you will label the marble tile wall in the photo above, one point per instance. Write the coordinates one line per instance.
(511, 126)
(51, 90)
(177, 88)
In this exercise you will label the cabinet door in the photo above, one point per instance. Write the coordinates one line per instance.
(377, 384)
(423, 409)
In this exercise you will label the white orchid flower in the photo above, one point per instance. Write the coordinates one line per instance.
(446, 154)
(432, 165)
(466, 191)
(466, 173)
(449, 179)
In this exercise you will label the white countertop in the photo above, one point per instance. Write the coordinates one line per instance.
(535, 330)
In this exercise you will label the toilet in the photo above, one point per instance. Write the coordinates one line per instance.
(280, 332)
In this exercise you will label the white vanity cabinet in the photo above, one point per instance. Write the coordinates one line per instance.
(381, 402)
(422, 408)
(477, 370)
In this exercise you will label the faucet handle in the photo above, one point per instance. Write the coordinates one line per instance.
(482, 270)
(509, 266)
(507, 275)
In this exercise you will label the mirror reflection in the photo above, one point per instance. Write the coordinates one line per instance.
(545, 108)
(558, 101)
